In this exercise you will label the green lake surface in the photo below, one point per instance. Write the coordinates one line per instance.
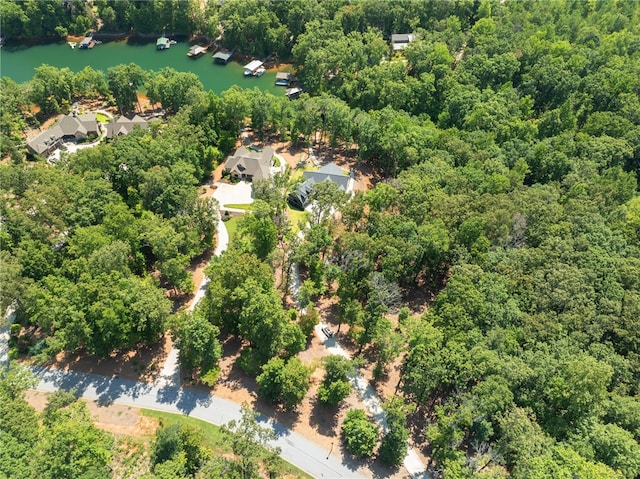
(18, 63)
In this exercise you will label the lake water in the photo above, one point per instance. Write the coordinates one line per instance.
(18, 63)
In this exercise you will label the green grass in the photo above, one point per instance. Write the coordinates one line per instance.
(296, 217)
(240, 206)
(218, 441)
(214, 438)
(232, 227)
(102, 118)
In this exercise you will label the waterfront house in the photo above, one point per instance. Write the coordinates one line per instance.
(300, 198)
(68, 127)
(125, 125)
(249, 165)
(399, 41)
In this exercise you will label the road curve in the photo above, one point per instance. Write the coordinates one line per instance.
(295, 448)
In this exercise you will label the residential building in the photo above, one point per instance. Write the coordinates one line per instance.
(248, 165)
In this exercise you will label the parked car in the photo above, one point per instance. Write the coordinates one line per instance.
(328, 333)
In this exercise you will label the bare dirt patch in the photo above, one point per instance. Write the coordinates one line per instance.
(114, 418)
(141, 363)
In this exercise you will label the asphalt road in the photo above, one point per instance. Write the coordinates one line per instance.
(294, 448)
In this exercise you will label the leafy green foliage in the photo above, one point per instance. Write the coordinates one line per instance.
(64, 444)
(335, 385)
(284, 382)
(360, 434)
(249, 441)
(393, 448)
(197, 340)
(179, 442)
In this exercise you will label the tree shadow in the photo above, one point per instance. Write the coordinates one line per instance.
(324, 419)
(284, 420)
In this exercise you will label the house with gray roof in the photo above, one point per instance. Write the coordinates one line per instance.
(68, 127)
(300, 198)
(248, 165)
(125, 125)
(399, 41)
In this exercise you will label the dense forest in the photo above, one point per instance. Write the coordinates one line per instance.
(506, 143)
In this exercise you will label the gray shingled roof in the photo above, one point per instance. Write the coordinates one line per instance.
(67, 125)
(124, 125)
(329, 172)
(253, 163)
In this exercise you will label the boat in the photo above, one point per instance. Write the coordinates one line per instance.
(73, 44)
(173, 42)
(260, 71)
(196, 50)
(251, 68)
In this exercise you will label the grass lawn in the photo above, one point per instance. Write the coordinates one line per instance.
(218, 441)
(102, 118)
(296, 217)
(240, 206)
(214, 438)
(232, 227)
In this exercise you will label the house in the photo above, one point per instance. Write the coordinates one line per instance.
(125, 125)
(248, 165)
(299, 198)
(68, 127)
(399, 41)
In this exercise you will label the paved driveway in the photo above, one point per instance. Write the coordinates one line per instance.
(238, 194)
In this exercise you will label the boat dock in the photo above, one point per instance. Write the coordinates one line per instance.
(163, 43)
(222, 57)
(253, 68)
(285, 79)
(196, 50)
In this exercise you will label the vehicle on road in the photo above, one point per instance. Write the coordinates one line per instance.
(328, 333)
